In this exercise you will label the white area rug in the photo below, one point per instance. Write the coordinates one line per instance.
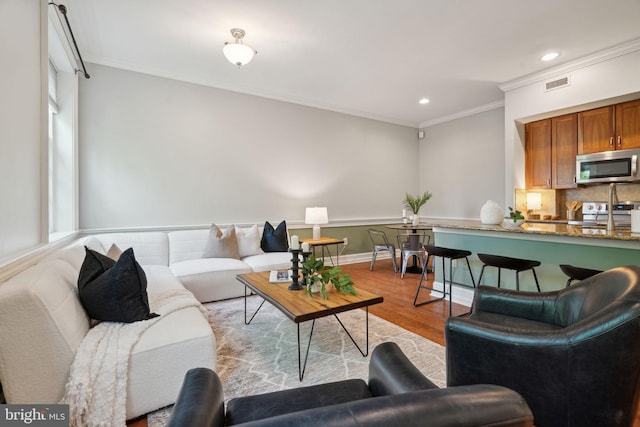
(263, 356)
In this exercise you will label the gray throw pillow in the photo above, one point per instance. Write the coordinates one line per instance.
(221, 244)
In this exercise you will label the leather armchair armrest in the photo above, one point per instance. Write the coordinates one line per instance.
(538, 306)
(391, 372)
(478, 405)
(200, 401)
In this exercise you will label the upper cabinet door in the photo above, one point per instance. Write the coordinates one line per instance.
(628, 125)
(538, 154)
(595, 130)
(564, 147)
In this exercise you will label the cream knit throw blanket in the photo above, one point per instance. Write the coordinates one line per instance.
(97, 388)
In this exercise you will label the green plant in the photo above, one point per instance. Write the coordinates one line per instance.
(314, 270)
(415, 203)
(514, 215)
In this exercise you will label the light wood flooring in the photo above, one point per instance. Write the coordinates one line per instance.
(427, 321)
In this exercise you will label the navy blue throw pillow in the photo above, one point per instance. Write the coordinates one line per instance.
(114, 291)
(274, 240)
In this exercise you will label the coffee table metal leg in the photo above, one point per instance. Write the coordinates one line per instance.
(245, 308)
(363, 353)
(301, 367)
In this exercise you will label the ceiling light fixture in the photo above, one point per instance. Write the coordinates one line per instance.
(550, 56)
(237, 53)
(423, 101)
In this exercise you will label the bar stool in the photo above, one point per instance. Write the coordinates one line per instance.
(516, 264)
(444, 253)
(577, 273)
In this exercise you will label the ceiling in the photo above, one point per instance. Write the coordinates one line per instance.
(373, 58)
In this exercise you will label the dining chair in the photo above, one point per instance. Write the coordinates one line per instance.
(412, 245)
(381, 243)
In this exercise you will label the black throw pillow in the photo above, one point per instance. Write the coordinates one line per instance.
(94, 265)
(114, 291)
(274, 240)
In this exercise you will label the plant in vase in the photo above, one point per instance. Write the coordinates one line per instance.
(415, 203)
(515, 216)
(319, 275)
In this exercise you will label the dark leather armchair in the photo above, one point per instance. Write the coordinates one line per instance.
(574, 354)
(397, 394)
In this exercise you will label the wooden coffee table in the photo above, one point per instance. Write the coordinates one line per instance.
(300, 307)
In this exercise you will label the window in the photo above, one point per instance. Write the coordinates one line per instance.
(61, 209)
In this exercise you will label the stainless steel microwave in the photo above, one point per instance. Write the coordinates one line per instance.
(608, 166)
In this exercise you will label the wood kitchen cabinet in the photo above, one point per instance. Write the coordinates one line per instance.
(537, 154)
(564, 148)
(628, 125)
(615, 127)
(595, 130)
(550, 152)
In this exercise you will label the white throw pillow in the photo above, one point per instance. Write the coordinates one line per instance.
(114, 252)
(221, 244)
(248, 241)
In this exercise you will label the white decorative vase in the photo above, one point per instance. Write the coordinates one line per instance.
(491, 213)
(315, 286)
(416, 220)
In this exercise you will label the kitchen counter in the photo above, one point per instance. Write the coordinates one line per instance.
(539, 228)
(550, 243)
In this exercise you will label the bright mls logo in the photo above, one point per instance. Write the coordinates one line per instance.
(34, 415)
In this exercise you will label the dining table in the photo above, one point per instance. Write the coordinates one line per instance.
(413, 228)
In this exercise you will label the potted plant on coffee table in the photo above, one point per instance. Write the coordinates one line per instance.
(319, 275)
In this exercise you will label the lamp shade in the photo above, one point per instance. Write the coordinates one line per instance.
(238, 54)
(316, 216)
(534, 201)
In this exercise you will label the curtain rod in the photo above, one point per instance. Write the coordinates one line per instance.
(63, 9)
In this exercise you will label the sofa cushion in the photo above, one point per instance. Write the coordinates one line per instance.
(274, 240)
(152, 247)
(43, 324)
(167, 350)
(74, 254)
(221, 244)
(248, 241)
(187, 244)
(114, 290)
(269, 261)
(211, 279)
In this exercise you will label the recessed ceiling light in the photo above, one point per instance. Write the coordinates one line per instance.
(549, 56)
(423, 101)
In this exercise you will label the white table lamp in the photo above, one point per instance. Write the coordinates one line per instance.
(316, 216)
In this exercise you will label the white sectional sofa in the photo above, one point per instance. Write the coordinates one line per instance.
(43, 322)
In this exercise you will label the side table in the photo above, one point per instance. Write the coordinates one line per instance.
(323, 243)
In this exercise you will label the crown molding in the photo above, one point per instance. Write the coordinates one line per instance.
(603, 55)
(461, 114)
(246, 90)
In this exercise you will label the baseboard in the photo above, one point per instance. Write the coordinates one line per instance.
(461, 294)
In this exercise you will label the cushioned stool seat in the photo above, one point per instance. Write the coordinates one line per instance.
(444, 253)
(577, 273)
(516, 264)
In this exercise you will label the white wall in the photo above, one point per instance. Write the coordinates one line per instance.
(21, 146)
(159, 152)
(462, 165)
(602, 83)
